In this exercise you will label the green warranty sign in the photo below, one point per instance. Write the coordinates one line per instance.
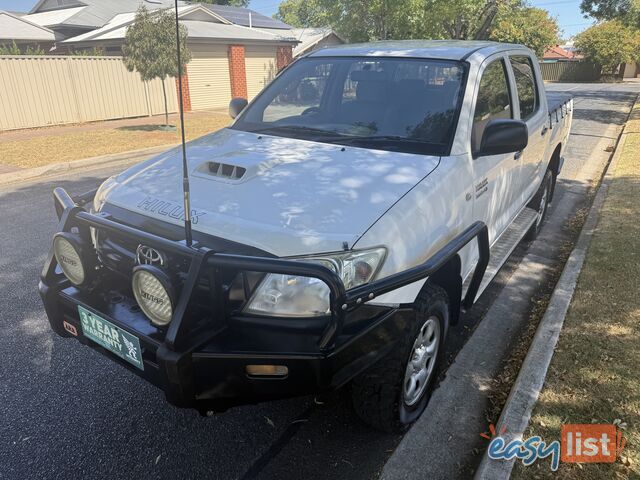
(113, 338)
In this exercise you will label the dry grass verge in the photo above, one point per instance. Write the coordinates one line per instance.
(75, 145)
(593, 377)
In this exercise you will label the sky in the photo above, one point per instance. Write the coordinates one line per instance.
(567, 12)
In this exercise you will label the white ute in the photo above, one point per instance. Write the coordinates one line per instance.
(380, 164)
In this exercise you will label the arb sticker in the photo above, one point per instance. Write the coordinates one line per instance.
(70, 328)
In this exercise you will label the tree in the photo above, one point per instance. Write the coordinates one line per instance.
(528, 26)
(150, 47)
(34, 50)
(13, 49)
(233, 3)
(467, 19)
(627, 11)
(10, 49)
(91, 52)
(609, 44)
(398, 19)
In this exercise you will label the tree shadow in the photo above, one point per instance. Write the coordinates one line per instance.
(146, 128)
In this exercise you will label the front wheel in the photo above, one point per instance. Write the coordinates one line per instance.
(393, 393)
(540, 203)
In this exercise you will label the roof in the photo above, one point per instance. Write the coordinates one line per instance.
(309, 37)
(20, 29)
(97, 13)
(191, 17)
(438, 49)
(208, 30)
(53, 17)
(247, 17)
(559, 53)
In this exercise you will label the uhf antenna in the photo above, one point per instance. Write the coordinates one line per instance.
(185, 166)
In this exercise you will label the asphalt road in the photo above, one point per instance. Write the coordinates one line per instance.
(68, 412)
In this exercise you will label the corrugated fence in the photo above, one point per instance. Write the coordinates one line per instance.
(37, 91)
(570, 72)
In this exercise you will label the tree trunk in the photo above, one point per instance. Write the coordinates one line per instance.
(166, 109)
(489, 15)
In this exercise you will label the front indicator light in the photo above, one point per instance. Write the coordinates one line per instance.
(154, 294)
(66, 249)
(273, 371)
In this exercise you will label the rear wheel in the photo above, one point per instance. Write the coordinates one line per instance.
(393, 393)
(540, 203)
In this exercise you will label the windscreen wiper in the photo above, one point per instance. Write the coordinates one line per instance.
(385, 139)
(296, 128)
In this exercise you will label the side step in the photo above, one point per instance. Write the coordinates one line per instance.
(502, 249)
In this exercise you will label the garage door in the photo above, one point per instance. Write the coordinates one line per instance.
(209, 84)
(261, 68)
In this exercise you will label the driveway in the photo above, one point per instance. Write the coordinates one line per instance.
(67, 412)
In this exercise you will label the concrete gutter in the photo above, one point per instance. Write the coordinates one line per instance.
(103, 160)
(524, 394)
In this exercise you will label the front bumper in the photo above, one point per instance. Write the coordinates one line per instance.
(210, 374)
(203, 364)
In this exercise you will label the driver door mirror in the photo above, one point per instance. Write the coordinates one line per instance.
(503, 136)
(236, 105)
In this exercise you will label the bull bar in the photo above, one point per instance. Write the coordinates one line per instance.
(174, 353)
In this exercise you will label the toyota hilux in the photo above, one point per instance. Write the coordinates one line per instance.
(340, 225)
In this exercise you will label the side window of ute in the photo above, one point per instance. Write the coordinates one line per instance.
(526, 85)
(493, 101)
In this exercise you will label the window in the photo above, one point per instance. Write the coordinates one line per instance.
(398, 104)
(300, 96)
(493, 101)
(526, 84)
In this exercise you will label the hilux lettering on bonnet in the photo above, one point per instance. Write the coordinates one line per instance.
(168, 209)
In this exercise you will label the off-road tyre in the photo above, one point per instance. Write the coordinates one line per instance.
(378, 393)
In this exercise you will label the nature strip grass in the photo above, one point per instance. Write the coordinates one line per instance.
(50, 149)
(593, 377)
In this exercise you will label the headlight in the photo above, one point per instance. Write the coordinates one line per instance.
(294, 296)
(101, 194)
(153, 293)
(68, 256)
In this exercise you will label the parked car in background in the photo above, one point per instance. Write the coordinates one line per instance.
(363, 198)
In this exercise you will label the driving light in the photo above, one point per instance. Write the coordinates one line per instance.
(294, 296)
(153, 292)
(67, 252)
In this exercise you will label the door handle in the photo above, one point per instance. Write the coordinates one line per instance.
(544, 130)
(517, 155)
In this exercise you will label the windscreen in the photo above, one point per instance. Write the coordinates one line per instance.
(398, 104)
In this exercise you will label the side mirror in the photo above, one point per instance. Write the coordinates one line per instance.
(236, 105)
(503, 136)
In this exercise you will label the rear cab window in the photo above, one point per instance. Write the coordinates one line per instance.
(524, 76)
(494, 100)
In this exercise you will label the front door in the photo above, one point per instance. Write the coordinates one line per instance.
(496, 177)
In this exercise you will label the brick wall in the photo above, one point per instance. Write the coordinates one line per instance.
(186, 96)
(237, 71)
(284, 56)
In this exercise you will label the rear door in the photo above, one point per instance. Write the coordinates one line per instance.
(529, 110)
(496, 177)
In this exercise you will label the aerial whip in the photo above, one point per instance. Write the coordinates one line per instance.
(185, 166)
